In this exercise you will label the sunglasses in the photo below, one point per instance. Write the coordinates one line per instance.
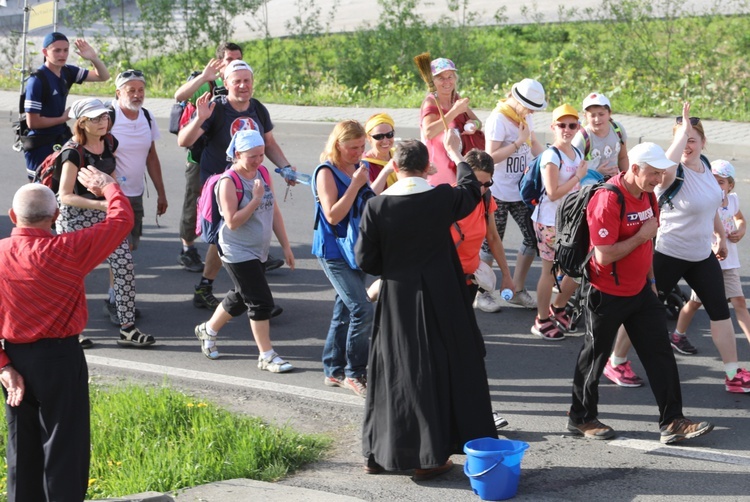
(96, 120)
(131, 73)
(378, 137)
(487, 184)
(563, 125)
(693, 120)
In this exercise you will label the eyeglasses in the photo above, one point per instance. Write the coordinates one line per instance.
(693, 120)
(96, 120)
(487, 184)
(131, 73)
(378, 137)
(572, 126)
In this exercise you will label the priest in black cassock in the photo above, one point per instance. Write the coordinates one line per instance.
(427, 385)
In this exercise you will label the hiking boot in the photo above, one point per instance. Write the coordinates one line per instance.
(358, 385)
(524, 299)
(681, 344)
(622, 374)
(547, 329)
(740, 384)
(272, 263)
(683, 428)
(592, 429)
(500, 422)
(202, 334)
(334, 381)
(84, 342)
(133, 337)
(190, 260)
(268, 364)
(204, 297)
(562, 319)
(486, 302)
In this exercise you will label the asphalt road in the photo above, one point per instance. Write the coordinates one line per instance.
(530, 378)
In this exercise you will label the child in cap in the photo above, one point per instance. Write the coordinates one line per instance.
(734, 226)
(602, 137)
(562, 168)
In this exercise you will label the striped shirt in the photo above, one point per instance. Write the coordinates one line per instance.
(42, 293)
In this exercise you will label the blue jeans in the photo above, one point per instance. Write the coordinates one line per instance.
(348, 340)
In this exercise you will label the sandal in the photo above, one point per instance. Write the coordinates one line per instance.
(202, 334)
(134, 338)
(274, 367)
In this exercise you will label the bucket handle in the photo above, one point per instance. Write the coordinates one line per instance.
(480, 474)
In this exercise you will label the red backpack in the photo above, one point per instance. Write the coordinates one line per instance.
(49, 171)
(209, 219)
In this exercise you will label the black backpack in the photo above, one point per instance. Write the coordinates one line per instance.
(679, 178)
(572, 230)
(21, 128)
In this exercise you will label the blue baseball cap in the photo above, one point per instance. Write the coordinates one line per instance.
(53, 37)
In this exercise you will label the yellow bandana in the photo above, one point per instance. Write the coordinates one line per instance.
(377, 119)
(510, 112)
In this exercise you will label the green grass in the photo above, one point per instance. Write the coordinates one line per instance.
(647, 66)
(161, 439)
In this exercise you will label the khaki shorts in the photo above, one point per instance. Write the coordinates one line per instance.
(732, 285)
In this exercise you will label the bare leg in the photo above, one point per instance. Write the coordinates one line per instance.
(544, 290)
(262, 334)
(622, 343)
(213, 263)
(567, 288)
(686, 315)
(743, 316)
(219, 318)
(722, 333)
(523, 265)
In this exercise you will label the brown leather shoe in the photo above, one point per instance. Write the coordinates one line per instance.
(372, 467)
(425, 474)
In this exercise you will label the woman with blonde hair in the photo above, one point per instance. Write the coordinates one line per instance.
(341, 191)
(80, 208)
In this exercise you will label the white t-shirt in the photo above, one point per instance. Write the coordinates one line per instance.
(135, 138)
(726, 214)
(607, 148)
(500, 128)
(686, 230)
(544, 213)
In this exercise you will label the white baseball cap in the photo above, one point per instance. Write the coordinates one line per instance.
(237, 65)
(596, 99)
(722, 168)
(651, 154)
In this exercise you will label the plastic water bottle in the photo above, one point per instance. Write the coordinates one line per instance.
(291, 175)
(506, 294)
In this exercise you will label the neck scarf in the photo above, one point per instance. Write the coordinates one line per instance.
(504, 108)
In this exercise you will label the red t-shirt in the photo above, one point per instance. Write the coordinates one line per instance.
(607, 228)
(474, 230)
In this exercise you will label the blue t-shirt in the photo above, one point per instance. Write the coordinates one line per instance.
(214, 158)
(52, 105)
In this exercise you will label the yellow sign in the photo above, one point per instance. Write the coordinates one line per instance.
(42, 15)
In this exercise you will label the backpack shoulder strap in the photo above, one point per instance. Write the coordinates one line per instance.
(617, 129)
(668, 194)
(264, 174)
(620, 196)
(238, 188)
(148, 117)
(111, 113)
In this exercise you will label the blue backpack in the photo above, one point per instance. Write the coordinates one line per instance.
(531, 185)
(346, 231)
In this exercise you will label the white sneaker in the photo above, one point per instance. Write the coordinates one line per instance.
(524, 299)
(486, 302)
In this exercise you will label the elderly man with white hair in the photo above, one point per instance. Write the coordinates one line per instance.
(42, 367)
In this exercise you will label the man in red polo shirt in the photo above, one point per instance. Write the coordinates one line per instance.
(623, 292)
(42, 310)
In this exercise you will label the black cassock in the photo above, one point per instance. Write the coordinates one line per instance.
(427, 391)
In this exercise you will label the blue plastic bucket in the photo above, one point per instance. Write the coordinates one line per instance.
(494, 467)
